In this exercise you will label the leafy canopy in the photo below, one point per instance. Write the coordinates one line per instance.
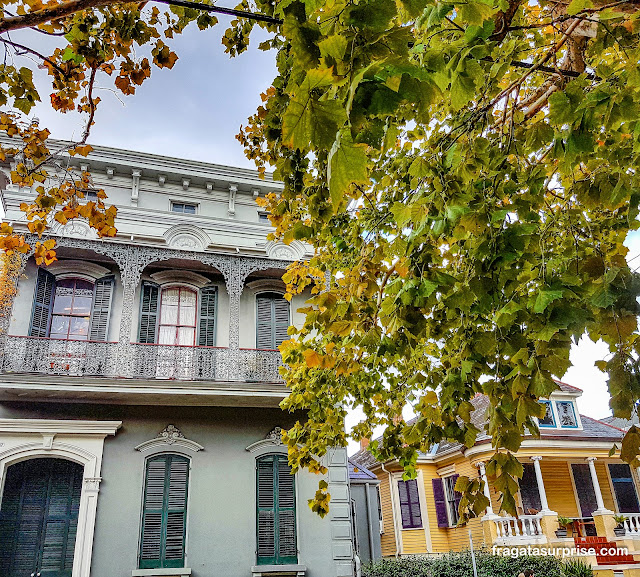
(467, 172)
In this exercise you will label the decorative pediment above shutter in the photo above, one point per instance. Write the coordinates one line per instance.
(273, 441)
(170, 436)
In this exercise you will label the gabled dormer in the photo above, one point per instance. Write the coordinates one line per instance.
(561, 409)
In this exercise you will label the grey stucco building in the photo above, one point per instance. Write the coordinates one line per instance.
(139, 391)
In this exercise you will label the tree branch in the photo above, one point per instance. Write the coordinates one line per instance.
(92, 106)
(34, 52)
(70, 7)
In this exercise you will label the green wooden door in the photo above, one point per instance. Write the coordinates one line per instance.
(39, 518)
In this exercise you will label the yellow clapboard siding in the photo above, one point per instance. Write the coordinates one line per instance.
(459, 536)
(559, 488)
(388, 538)
(413, 542)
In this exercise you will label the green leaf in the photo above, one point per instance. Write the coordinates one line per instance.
(309, 121)
(474, 12)
(545, 298)
(576, 6)
(347, 166)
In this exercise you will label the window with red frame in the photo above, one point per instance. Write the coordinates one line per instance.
(178, 315)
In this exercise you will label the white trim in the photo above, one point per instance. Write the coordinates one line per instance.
(181, 572)
(543, 444)
(35, 438)
(395, 510)
(424, 512)
(179, 277)
(170, 437)
(59, 426)
(267, 285)
(77, 268)
(446, 471)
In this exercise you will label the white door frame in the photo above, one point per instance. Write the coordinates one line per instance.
(79, 441)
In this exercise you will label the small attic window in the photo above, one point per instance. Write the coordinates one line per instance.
(559, 415)
(263, 217)
(548, 420)
(183, 207)
(566, 414)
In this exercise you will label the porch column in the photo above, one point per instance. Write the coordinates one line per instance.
(596, 486)
(487, 493)
(541, 490)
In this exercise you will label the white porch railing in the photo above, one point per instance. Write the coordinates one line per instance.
(632, 524)
(517, 530)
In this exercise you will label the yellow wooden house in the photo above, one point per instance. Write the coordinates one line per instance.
(567, 472)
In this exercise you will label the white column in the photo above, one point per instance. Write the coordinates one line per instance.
(596, 486)
(487, 493)
(541, 490)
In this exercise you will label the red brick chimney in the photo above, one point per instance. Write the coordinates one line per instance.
(364, 443)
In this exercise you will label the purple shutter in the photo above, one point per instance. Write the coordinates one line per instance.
(414, 503)
(441, 503)
(409, 504)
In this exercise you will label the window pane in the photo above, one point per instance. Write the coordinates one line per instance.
(624, 488)
(547, 420)
(63, 300)
(187, 307)
(190, 208)
(59, 327)
(566, 414)
(167, 335)
(186, 335)
(82, 305)
(79, 329)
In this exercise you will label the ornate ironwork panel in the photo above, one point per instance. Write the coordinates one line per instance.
(59, 357)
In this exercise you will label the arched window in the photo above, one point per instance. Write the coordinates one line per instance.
(170, 316)
(276, 511)
(164, 512)
(71, 308)
(178, 306)
(272, 315)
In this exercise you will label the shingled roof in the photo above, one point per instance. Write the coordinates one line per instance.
(591, 429)
(357, 472)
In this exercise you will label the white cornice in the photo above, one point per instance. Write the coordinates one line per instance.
(59, 427)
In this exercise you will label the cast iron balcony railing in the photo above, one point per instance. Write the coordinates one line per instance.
(48, 356)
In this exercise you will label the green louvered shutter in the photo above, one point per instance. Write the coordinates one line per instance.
(101, 311)
(39, 516)
(164, 519)
(276, 512)
(272, 314)
(149, 300)
(281, 321)
(42, 304)
(207, 321)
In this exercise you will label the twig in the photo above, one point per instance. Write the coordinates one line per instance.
(35, 53)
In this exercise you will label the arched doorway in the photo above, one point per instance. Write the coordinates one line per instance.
(39, 518)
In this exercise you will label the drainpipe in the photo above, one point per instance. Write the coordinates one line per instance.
(369, 522)
(393, 511)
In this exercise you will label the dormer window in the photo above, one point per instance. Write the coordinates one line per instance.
(548, 420)
(560, 414)
(566, 414)
(184, 207)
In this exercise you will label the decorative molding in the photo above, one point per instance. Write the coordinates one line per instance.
(185, 183)
(110, 171)
(161, 179)
(269, 284)
(280, 251)
(446, 471)
(47, 441)
(233, 190)
(92, 484)
(59, 427)
(209, 187)
(62, 268)
(180, 276)
(136, 173)
(74, 229)
(271, 441)
(171, 436)
(187, 237)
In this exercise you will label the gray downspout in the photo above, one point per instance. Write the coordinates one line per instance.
(369, 522)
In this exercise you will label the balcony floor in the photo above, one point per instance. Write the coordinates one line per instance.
(60, 388)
